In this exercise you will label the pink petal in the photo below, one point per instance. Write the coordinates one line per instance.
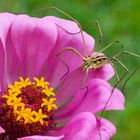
(93, 100)
(85, 126)
(104, 130)
(2, 69)
(6, 20)
(106, 72)
(79, 127)
(5, 24)
(65, 40)
(70, 86)
(2, 130)
(29, 44)
(37, 137)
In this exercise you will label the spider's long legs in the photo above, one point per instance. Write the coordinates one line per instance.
(70, 49)
(99, 29)
(84, 80)
(126, 81)
(116, 73)
(100, 35)
(81, 31)
(67, 49)
(110, 45)
(128, 53)
(124, 67)
(126, 71)
(65, 65)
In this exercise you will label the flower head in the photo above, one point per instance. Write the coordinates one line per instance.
(34, 104)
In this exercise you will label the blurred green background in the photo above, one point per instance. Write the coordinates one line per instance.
(119, 20)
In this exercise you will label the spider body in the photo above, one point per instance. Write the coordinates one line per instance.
(94, 62)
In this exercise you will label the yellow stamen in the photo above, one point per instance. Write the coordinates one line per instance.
(49, 104)
(41, 83)
(40, 116)
(24, 113)
(48, 92)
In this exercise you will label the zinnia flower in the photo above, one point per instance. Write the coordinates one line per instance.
(34, 104)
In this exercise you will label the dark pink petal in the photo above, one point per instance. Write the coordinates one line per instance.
(2, 130)
(93, 100)
(29, 44)
(5, 24)
(65, 40)
(37, 137)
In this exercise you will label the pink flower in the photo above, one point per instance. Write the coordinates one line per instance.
(29, 108)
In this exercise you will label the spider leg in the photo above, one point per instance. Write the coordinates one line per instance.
(128, 53)
(62, 51)
(65, 65)
(126, 81)
(110, 45)
(126, 71)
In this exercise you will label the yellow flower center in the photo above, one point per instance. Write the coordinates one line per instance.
(32, 102)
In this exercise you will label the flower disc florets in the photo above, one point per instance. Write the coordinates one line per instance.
(27, 107)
